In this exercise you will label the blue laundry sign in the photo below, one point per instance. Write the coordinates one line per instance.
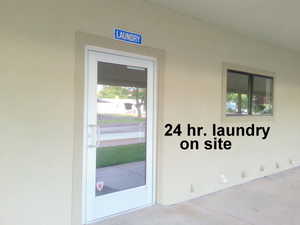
(126, 36)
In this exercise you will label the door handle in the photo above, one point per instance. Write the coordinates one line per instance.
(92, 136)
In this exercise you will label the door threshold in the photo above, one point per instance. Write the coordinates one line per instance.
(94, 222)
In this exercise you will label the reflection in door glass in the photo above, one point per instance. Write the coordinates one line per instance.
(121, 144)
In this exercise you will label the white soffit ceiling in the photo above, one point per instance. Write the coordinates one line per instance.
(275, 21)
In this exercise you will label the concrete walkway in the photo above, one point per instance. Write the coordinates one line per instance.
(121, 177)
(119, 142)
(273, 200)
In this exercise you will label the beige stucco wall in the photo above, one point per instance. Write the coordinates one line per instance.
(37, 42)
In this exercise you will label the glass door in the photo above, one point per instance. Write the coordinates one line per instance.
(120, 127)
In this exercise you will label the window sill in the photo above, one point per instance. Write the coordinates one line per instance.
(247, 118)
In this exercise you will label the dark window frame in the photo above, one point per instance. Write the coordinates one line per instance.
(250, 92)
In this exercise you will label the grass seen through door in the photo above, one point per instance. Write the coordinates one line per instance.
(114, 155)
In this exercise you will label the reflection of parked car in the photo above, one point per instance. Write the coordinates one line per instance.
(128, 106)
(244, 111)
(119, 106)
(231, 106)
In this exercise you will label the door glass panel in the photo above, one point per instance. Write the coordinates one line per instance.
(121, 127)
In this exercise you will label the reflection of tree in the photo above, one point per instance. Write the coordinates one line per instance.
(139, 94)
(260, 103)
(240, 99)
(114, 92)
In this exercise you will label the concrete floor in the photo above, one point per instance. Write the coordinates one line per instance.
(273, 200)
(121, 177)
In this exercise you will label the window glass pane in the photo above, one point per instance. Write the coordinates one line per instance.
(262, 96)
(237, 93)
(122, 124)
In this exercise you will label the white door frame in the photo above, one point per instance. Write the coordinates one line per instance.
(154, 122)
